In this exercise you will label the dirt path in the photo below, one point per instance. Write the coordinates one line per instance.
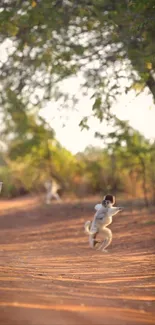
(50, 276)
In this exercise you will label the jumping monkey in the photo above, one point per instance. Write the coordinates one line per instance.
(102, 218)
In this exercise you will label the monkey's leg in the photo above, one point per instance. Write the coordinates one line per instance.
(107, 241)
(57, 197)
(92, 240)
(48, 197)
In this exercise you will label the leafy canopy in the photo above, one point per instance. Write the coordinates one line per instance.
(110, 43)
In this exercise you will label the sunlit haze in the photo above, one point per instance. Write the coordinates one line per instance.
(139, 111)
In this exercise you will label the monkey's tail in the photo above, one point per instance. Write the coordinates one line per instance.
(87, 227)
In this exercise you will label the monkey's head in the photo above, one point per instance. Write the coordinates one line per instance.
(108, 201)
(48, 185)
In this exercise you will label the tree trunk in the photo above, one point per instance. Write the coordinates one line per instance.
(152, 177)
(151, 85)
(133, 184)
(144, 183)
(153, 190)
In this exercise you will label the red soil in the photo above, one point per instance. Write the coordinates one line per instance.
(50, 276)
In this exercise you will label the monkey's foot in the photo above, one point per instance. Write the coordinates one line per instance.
(104, 250)
(99, 246)
(96, 244)
(102, 247)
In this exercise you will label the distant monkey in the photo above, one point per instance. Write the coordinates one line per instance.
(102, 218)
(51, 191)
(1, 184)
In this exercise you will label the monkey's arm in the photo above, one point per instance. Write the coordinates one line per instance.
(98, 206)
(115, 210)
(94, 229)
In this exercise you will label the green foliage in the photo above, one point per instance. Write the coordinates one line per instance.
(150, 223)
(126, 164)
(134, 154)
(48, 41)
(52, 40)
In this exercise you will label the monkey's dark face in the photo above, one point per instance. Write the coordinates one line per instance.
(107, 203)
(110, 198)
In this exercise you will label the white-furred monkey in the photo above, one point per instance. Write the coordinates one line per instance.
(1, 184)
(51, 191)
(102, 218)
